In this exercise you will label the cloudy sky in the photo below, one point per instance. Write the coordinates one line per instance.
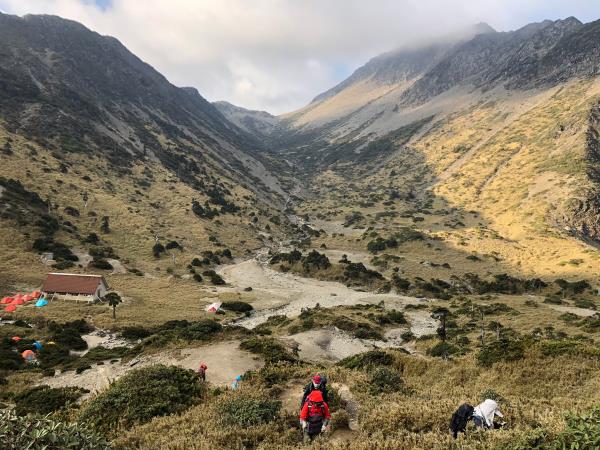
(276, 55)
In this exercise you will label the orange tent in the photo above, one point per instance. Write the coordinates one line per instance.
(6, 300)
(27, 298)
(16, 338)
(28, 355)
(10, 308)
(36, 294)
(18, 301)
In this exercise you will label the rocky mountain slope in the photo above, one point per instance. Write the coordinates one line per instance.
(99, 150)
(258, 123)
(473, 114)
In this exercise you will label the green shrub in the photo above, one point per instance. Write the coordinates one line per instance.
(135, 333)
(585, 303)
(250, 411)
(407, 336)
(582, 431)
(385, 380)
(141, 395)
(237, 306)
(368, 359)
(443, 350)
(271, 349)
(552, 348)
(44, 399)
(44, 433)
(54, 355)
(502, 350)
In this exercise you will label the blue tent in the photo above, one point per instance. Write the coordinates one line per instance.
(37, 345)
(41, 302)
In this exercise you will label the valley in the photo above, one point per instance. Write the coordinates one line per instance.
(425, 233)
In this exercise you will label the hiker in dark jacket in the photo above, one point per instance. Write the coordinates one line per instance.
(318, 383)
(460, 419)
(314, 416)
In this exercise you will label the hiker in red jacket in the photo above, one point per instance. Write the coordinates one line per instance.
(314, 416)
(202, 371)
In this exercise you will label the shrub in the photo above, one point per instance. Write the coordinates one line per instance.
(407, 336)
(582, 431)
(44, 399)
(249, 411)
(101, 263)
(271, 349)
(9, 360)
(367, 359)
(215, 278)
(45, 433)
(54, 355)
(384, 380)
(443, 350)
(135, 333)
(197, 277)
(502, 350)
(585, 303)
(141, 395)
(237, 306)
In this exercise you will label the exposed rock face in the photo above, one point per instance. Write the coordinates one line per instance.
(583, 215)
(258, 123)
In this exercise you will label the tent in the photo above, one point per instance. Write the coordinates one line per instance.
(28, 355)
(37, 345)
(17, 301)
(6, 300)
(41, 302)
(213, 307)
(27, 298)
(36, 294)
(10, 308)
(16, 338)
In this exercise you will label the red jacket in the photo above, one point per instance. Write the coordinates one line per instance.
(314, 397)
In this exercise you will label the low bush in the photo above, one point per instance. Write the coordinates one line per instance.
(45, 433)
(271, 349)
(385, 380)
(141, 395)
(368, 359)
(582, 431)
(44, 399)
(237, 306)
(502, 350)
(135, 333)
(443, 350)
(247, 411)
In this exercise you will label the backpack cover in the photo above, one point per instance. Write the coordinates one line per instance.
(316, 417)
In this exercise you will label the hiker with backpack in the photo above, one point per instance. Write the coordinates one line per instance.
(314, 416)
(484, 414)
(460, 419)
(202, 371)
(318, 383)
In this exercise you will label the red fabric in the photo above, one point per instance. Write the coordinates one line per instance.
(314, 397)
(317, 379)
(17, 301)
(27, 298)
(36, 294)
(6, 300)
(10, 308)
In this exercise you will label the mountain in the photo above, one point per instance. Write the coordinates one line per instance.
(503, 124)
(70, 89)
(257, 123)
(101, 150)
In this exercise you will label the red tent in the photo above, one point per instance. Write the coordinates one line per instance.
(10, 308)
(18, 296)
(28, 355)
(17, 301)
(16, 338)
(6, 300)
(36, 294)
(27, 298)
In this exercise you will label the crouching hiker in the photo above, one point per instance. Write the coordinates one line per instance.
(460, 419)
(484, 413)
(318, 383)
(314, 416)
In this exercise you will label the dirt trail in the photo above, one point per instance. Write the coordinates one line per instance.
(224, 360)
(581, 312)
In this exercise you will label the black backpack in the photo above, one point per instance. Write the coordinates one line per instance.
(460, 418)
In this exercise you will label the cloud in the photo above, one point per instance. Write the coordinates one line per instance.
(278, 54)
